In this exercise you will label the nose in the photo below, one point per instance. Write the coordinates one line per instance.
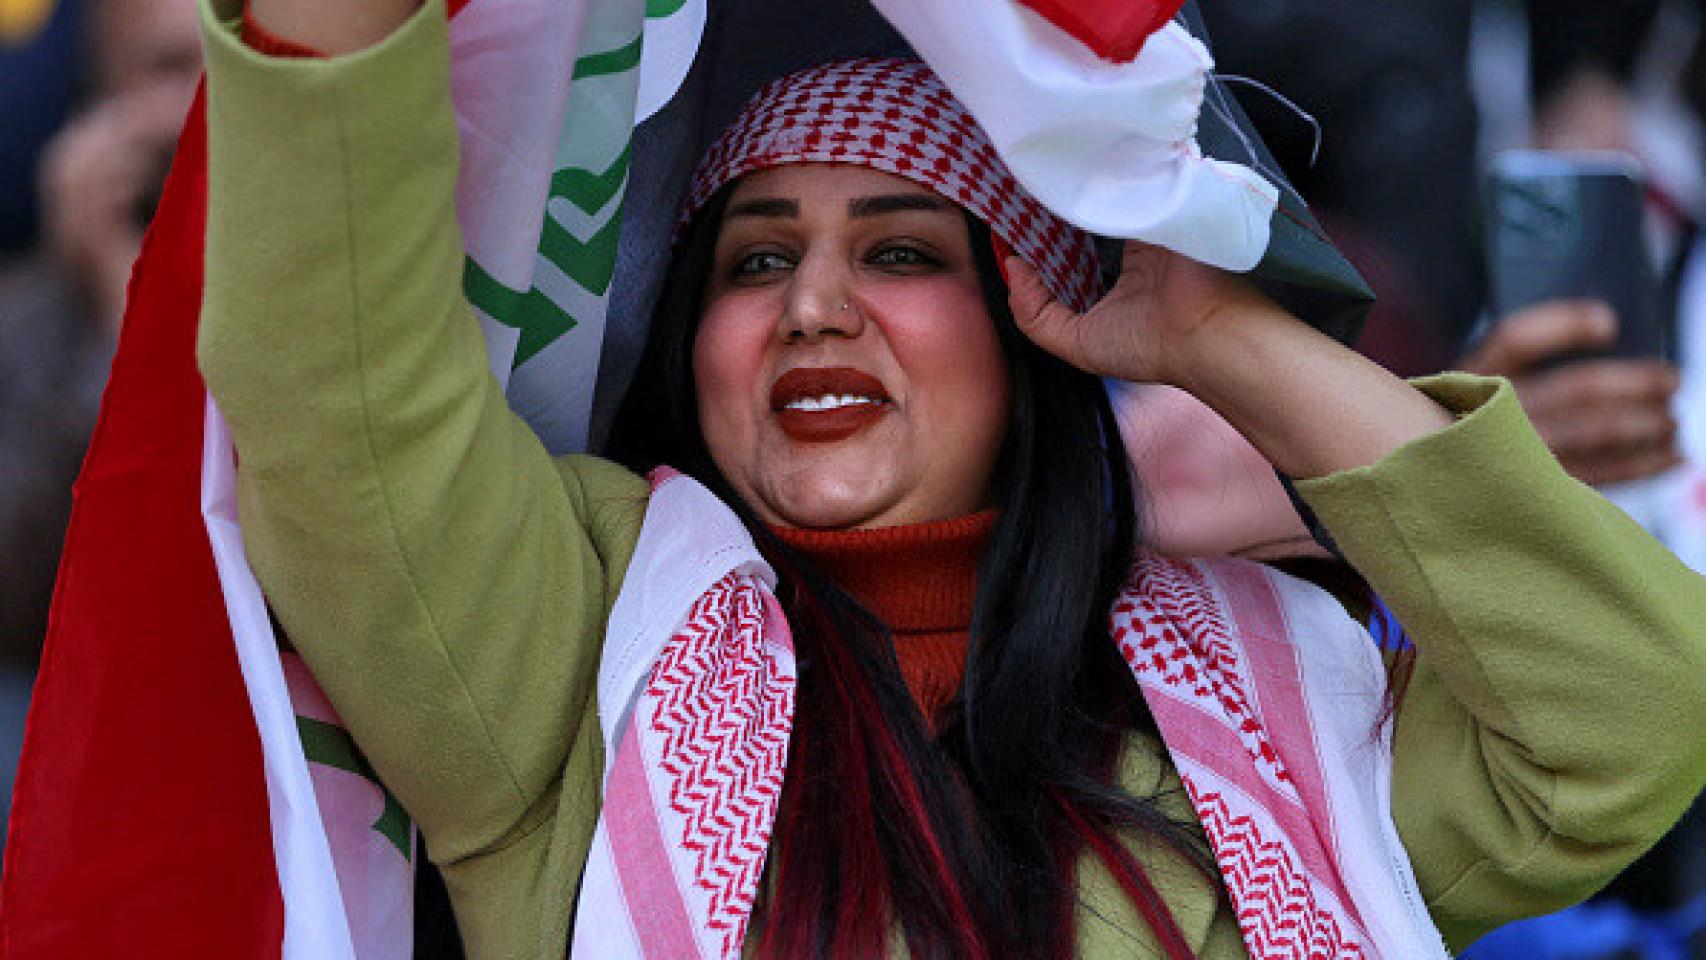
(819, 304)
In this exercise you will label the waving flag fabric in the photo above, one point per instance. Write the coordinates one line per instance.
(176, 800)
(559, 161)
(185, 790)
(1110, 147)
(135, 822)
(1113, 29)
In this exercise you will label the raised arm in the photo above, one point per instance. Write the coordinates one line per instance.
(1555, 726)
(1556, 723)
(437, 572)
(1311, 406)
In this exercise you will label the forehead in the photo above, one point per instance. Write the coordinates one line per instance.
(822, 182)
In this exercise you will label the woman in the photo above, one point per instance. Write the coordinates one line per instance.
(839, 360)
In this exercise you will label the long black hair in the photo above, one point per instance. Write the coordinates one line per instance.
(967, 839)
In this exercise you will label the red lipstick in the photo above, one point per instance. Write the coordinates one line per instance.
(811, 403)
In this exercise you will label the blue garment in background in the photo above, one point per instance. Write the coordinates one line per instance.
(1600, 931)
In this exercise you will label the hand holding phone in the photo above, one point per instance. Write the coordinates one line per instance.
(1579, 331)
(1606, 419)
(1568, 227)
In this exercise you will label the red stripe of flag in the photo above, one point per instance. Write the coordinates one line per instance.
(1114, 29)
(139, 823)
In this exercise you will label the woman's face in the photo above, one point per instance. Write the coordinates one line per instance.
(847, 372)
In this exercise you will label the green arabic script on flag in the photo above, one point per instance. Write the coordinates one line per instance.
(557, 318)
(583, 214)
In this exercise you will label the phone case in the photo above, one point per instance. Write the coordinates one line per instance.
(1569, 226)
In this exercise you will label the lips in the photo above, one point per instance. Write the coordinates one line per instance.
(827, 404)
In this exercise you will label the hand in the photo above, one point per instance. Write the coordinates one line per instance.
(1147, 327)
(1309, 404)
(100, 178)
(1607, 421)
(1589, 111)
(332, 27)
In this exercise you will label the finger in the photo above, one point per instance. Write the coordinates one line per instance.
(1139, 259)
(1610, 434)
(1637, 465)
(162, 109)
(1597, 383)
(1543, 332)
(87, 158)
(1048, 322)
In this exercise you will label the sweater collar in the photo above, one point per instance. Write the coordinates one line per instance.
(919, 578)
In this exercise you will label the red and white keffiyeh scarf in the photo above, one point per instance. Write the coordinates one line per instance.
(1267, 694)
(696, 703)
(896, 116)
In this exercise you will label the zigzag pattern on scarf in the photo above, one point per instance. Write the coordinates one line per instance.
(1177, 633)
(724, 708)
(1169, 593)
(1277, 911)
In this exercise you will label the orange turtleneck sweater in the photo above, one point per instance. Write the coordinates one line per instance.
(921, 579)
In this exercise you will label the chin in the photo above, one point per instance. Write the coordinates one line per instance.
(827, 516)
(824, 506)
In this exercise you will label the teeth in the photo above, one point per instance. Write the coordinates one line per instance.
(828, 401)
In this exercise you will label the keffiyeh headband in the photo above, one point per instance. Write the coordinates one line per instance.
(896, 116)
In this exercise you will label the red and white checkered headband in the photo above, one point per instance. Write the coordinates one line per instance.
(896, 116)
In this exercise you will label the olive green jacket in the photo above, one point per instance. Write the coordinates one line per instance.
(448, 582)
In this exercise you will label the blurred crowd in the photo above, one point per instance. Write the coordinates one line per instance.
(92, 96)
(1384, 115)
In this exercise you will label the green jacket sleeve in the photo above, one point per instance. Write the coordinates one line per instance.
(1555, 726)
(444, 579)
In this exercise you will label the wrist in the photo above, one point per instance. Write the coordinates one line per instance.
(1311, 405)
(1226, 352)
(331, 27)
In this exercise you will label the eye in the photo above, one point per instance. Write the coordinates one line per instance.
(902, 256)
(759, 263)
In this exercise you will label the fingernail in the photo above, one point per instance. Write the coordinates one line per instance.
(1604, 319)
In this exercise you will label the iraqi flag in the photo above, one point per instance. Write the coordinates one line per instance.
(186, 790)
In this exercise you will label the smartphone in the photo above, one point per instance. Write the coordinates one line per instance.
(1569, 226)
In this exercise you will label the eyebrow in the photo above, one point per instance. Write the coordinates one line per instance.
(763, 208)
(895, 203)
(861, 207)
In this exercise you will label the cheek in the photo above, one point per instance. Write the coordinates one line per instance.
(728, 359)
(949, 349)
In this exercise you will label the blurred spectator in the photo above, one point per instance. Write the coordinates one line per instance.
(1395, 178)
(101, 175)
(40, 47)
(60, 306)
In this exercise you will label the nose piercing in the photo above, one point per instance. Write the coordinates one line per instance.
(844, 305)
